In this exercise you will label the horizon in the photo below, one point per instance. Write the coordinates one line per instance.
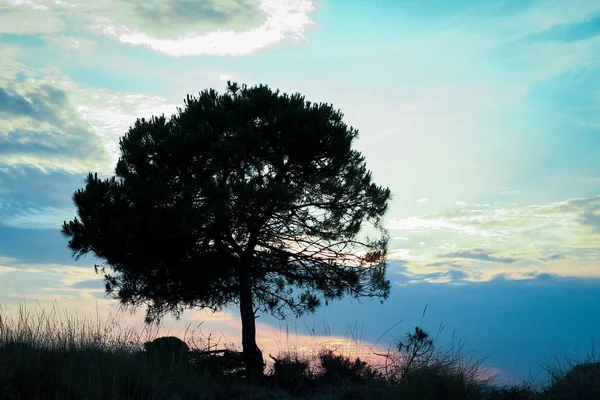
(482, 118)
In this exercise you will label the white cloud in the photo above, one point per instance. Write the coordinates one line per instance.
(400, 254)
(173, 27)
(52, 123)
(28, 18)
(39, 123)
(422, 200)
(286, 19)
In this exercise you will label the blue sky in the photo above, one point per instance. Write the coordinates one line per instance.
(483, 118)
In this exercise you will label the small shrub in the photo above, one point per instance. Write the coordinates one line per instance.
(365, 391)
(290, 373)
(337, 369)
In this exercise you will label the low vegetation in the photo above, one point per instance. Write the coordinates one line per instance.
(48, 357)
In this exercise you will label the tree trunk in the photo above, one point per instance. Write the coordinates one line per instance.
(253, 358)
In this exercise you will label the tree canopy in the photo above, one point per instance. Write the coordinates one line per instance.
(251, 197)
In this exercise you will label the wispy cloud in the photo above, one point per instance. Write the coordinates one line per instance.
(35, 217)
(428, 223)
(113, 113)
(27, 184)
(560, 237)
(96, 284)
(552, 257)
(80, 45)
(478, 254)
(570, 219)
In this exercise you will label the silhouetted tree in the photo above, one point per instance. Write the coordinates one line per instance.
(250, 197)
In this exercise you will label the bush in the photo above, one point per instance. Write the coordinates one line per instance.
(516, 392)
(581, 382)
(214, 364)
(338, 369)
(431, 383)
(418, 370)
(366, 392)
(290, 373)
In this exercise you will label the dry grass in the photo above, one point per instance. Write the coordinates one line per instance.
(53, 355)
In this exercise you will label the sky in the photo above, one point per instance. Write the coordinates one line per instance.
(483, 118)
